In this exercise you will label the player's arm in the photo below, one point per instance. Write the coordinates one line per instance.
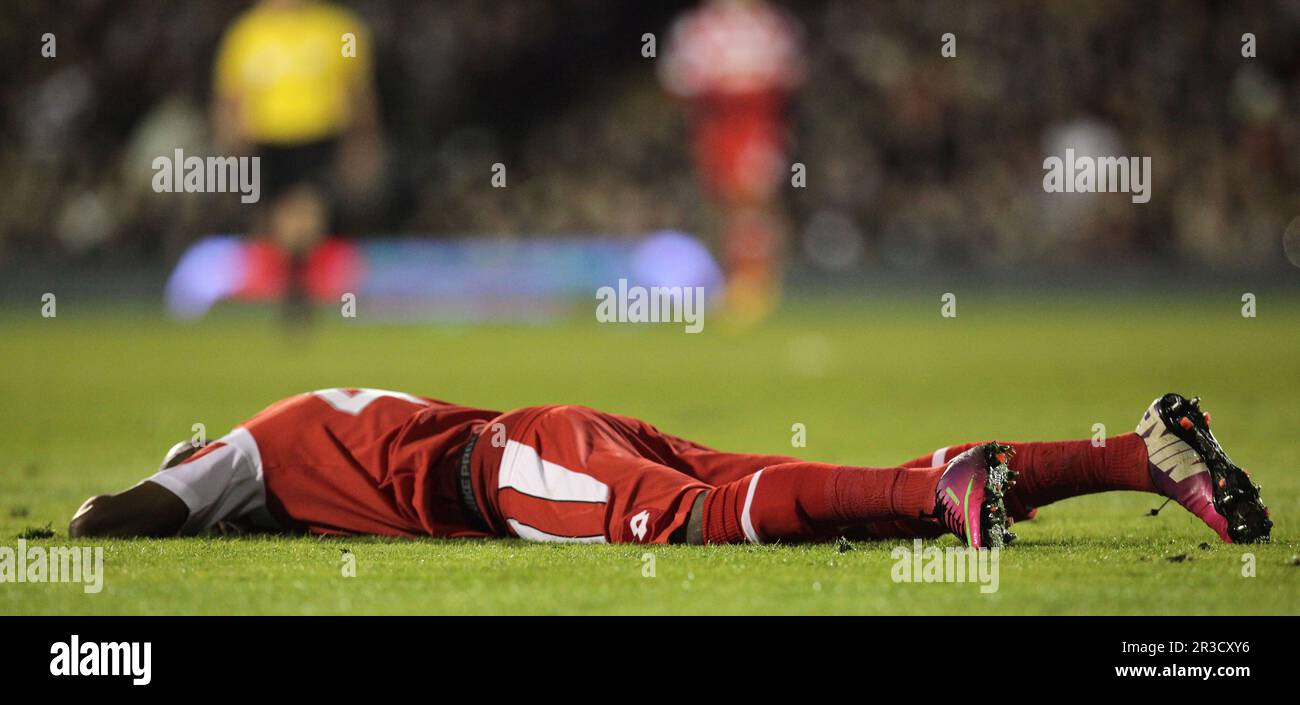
(196, 491)
(148, 509)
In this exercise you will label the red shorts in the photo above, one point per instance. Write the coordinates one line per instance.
(572, 473)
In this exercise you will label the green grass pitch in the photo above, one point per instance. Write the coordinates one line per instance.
(92, 398)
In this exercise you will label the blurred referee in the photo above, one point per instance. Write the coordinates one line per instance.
(294, 86)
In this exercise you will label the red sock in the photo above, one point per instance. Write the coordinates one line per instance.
(801, 501)
(1053, 471)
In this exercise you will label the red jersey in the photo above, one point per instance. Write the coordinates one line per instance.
(336, 461)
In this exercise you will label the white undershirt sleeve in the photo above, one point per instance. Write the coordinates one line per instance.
(223, 484)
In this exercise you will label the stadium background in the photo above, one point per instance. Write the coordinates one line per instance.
(923, 177)
(927, 161)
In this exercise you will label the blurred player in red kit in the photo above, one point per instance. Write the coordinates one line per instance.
(367, 461)
(733, 63)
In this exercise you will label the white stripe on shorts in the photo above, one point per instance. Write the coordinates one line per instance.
(527, 532)
(522, 469)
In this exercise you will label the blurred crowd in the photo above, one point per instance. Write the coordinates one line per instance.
(935, 159)
(913, 159)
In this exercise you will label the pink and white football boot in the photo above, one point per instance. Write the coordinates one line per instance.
(1188, 465)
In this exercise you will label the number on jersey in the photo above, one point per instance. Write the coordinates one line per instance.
(355, 401)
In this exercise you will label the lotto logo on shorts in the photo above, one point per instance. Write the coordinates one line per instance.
(643, 526)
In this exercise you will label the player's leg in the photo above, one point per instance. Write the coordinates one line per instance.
(810, 501)
(576, 474)
(571, 474)
(1056, 470)
(1172, 453)
(711, 466)
(720, 468)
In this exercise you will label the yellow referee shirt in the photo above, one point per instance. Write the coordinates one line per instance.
(293, 69)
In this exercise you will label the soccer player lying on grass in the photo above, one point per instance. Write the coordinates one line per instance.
(366, 461)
